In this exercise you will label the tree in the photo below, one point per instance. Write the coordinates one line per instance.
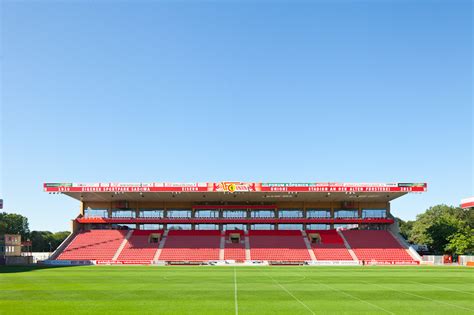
(44, 241)
(442, 228)
(405, 228)
(12, 223)
(58, 238)
(462, 242)
(3, 227)
(435, 226)
(39, 240)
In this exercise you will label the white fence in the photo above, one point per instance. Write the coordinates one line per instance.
(37, 256)
(439, 259)
(465, 258)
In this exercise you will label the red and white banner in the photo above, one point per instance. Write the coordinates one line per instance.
(392, 262)
(232, 187)
(123, 262)
(235, 187)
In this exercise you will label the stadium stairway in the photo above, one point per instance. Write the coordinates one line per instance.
(308, 246)
(349, 248)
(125, 241)
(138, 246)
(330, 246)
(222, 246)
(410, 250)
(62, 246)
(376, 245)
(234, 251)
(394, 229)
(247, 245)
(162, 244)
(94, 245)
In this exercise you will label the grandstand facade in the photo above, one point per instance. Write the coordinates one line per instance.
(235, 222)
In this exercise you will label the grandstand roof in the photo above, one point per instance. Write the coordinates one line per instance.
(467, 203)
(235, 191)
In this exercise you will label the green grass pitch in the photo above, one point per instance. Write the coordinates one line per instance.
(236, 290)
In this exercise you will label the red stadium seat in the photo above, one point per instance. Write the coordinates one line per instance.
(191, 246)
(94, 245)
(331, 246)
(139, 247)
(278, 246)
(375, 245)
(234, 251)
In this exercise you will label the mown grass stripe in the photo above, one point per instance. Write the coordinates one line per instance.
(235, 293)
(422, 297)
(443, 288)
(291, 294)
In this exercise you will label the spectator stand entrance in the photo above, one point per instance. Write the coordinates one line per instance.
(235, 223)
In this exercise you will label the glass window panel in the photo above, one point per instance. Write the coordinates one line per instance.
(346, 226)
(123, 213)
(179, 226)
(124, 226)
(318, 213)
(318, 226)
(294, 213)
(262, 214)
(290, 227)
(374, 213)
(90, 212)
(151, 213)
(242, 227)
(234, 214)
(207, 226)
(179, 213)
(206, 214)
(151, 227)
(346, 214)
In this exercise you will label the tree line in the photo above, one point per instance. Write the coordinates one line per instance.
(444, 229)
(42, 241)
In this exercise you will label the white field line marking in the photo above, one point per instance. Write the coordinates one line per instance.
(444, 288)
(290, 294)
(235, 293)
(293, 281)
(355, 297)
(423, 297)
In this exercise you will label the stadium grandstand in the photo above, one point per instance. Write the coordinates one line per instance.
(467, 203)
(235, 223)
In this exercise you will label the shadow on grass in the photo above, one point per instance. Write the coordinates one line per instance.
(16, 269)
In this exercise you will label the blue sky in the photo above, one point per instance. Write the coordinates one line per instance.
(349, 91)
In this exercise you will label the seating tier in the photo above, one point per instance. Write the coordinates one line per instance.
(278, 246)
(331, 246)
(376, 245)
(94, 245)
(191, 246)
(138, 246)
